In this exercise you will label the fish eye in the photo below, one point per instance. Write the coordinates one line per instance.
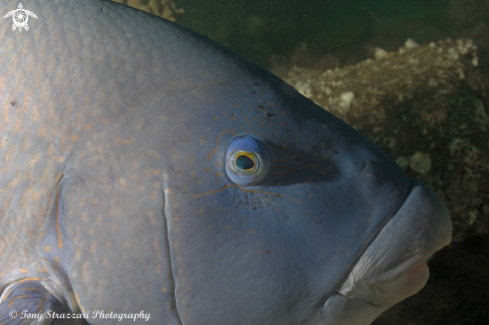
(247, 161)
(243, 162)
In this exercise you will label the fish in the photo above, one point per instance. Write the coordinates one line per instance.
(151, 174)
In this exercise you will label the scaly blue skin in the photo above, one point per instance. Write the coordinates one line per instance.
(118, 194)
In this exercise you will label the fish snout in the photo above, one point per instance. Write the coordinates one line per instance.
(394, 266)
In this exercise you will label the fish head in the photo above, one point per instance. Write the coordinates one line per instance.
(285, 213)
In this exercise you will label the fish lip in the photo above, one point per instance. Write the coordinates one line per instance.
(399, 253)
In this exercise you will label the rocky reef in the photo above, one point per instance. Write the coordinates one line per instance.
(426, 107)
(163, 8)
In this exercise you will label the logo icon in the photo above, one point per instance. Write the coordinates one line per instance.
(20, 17)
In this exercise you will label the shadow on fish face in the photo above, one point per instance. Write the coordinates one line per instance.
(305, 196)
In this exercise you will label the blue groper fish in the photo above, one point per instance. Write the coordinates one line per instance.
(150, 175)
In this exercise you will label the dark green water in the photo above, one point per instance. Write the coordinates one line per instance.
(259, 29)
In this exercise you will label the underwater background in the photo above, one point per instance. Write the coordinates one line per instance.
(410, 75)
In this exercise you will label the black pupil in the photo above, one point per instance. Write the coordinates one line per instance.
(244, 162)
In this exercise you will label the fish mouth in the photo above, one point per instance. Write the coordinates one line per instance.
(394, 266)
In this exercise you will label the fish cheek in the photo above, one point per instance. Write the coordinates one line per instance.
(234, 260)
